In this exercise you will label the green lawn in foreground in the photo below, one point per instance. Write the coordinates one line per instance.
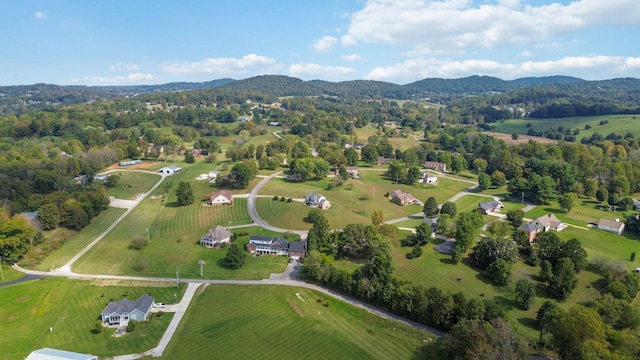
(71, 308)
(132, 183)
(271, 322)
(79, 241)
(619, 124)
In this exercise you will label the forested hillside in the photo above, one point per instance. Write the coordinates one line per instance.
(554, 96)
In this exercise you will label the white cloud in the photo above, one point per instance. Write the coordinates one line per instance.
(317, 71)
(580, 66)
(525, 53)
(121, 66)
(218, 66)
(353, 57)
(324, 44)
(131, 79)
(40, 15)
(456, 24)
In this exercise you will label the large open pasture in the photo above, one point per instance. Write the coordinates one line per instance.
(274, 322)
(71, 308)
(619, 124)
(352, 202)
(132, 183)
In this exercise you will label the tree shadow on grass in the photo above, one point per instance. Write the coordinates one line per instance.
(528, 322)
(506, 304)
(426, 351)
(173, 204)
(447, 261)
(554, 210)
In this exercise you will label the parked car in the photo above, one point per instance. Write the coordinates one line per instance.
(159, 305)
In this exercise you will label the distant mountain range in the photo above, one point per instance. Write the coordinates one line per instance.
(21, 98)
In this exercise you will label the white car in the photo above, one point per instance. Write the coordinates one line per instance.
(159, 305)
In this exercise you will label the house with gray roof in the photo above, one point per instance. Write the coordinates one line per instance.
(612, 226)
(544, 223)
(317, 200)
(123, 311)
(490, 206)
(216, 237)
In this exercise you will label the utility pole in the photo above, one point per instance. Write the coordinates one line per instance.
(201, 262)
(1, 273)
(178, 276)
(148, 238)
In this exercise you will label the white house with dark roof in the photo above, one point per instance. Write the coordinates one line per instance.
(123, 311)
(317, 200)
(216, 237)
(264, 245)
(612, 226)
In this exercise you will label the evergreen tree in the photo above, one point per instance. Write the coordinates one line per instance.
(235, 257)
(184, 194)
(430, 208)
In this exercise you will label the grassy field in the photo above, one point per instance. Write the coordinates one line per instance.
(272, 322)
(131, 184)
(283, 214)
(174, 241)
(619, 124)
(350, 203)
(78, 242)
(71, 308)
(8, 274)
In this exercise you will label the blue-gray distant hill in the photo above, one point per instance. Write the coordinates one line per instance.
(541, 90)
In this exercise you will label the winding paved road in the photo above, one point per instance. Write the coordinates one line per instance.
(289, 278)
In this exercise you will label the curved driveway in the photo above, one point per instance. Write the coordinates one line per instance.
(181, 308)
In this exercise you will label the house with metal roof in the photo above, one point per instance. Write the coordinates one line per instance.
(170, 169)
(123, 311)
(55, 354)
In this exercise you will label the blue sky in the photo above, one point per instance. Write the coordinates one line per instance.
(151, 42)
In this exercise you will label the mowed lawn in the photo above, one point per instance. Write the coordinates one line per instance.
(72, 308)
(619, 124)
(79, 241)
(132, 183)
(174, 235)
(278, 322)
(352, 202)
